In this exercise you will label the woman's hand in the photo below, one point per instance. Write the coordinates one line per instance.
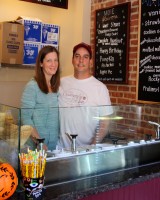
(36, 136)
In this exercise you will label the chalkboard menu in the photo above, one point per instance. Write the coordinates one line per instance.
(111, 43)
(55, 3)
(149, 59)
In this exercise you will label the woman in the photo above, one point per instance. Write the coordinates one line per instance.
(39, 101)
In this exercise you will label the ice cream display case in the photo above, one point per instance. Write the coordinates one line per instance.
(131, 144)
(12, 134)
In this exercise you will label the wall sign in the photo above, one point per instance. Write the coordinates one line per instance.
(111, 44)
(149, 55)
(54, 3)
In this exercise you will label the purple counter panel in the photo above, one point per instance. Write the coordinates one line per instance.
(148, 190)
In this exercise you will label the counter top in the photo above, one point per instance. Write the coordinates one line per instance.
(78, 189)
(107, 170)
(102, 183)
(77, 177)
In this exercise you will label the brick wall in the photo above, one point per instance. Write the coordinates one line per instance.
(134, 124)
(122, 94)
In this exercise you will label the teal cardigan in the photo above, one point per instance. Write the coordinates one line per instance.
(40, 110)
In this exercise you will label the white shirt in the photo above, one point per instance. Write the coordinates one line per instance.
(81, 102)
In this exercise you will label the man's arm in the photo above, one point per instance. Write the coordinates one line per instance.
(101, 131)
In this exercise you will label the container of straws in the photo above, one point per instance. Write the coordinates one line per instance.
(32, 168)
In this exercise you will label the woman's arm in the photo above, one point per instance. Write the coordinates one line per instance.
(28, 102)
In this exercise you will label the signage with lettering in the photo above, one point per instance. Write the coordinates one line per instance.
(149, 56)
(111, 44)
(54, 3)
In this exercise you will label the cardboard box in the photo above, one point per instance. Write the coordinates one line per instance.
(30, 53)
(11, 42)
(50, 34)
(32, 28)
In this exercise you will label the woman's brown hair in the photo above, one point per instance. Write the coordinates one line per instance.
(39, 74)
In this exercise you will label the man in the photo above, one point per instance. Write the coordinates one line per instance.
(81, 99)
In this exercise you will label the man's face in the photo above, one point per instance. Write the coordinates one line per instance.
(81, 61)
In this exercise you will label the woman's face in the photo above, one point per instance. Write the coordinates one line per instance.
(50, 64)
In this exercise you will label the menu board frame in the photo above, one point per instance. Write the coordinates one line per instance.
(54, 3)
(112, 44)
(148, 73)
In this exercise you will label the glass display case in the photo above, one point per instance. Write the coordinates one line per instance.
(122, 137)
(9, 134)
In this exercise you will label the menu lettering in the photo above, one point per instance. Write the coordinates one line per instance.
(111, 48)
(149, 62)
